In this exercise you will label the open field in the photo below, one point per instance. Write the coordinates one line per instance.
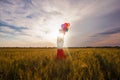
(41, 64)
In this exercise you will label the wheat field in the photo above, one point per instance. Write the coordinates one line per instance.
(41, 64)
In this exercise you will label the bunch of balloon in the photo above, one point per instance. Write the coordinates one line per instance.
(60, 40)
(65, 27)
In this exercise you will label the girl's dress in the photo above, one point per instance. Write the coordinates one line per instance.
(60, 41)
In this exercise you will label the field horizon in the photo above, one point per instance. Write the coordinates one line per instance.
(68, 47)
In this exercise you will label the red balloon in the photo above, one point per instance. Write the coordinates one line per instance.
(65, 24)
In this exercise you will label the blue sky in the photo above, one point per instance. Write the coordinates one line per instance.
(35, 23)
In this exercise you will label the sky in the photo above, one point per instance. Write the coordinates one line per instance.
(35, 23)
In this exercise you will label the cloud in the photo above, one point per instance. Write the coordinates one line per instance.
(6, 30)
(110, 37)
(16, 28)
(5, 1)
(28, 3)
(111, 31)
(98, 17)
(111, 40)
(108, 32)
(37, 20)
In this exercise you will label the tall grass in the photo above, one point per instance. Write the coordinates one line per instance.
(41, 64)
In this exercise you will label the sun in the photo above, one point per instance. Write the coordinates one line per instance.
(54, 25)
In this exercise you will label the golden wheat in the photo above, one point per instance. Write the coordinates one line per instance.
(41, 64)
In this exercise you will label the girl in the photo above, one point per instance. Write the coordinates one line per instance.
(60, 42)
